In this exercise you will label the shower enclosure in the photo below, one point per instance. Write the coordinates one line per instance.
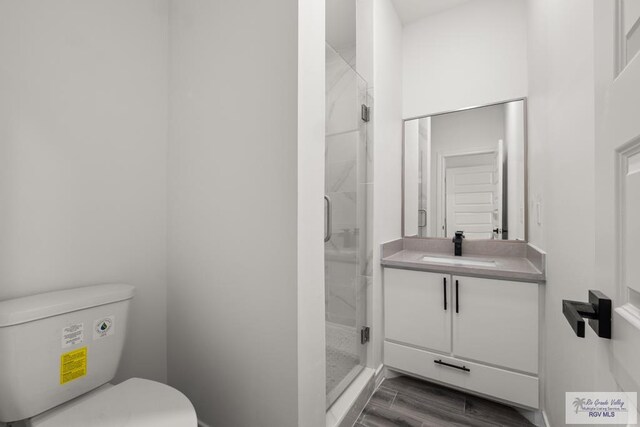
(348, 189)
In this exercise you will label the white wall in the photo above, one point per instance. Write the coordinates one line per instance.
(473, 54)
(464, 131)
(364, 39)
(411, 163)
(83, 149)
(241, 238)
(562, 116)
(425, 195)
(84, 116)
(340, 28)
(311, 189)
(387, 130)
(514, 143)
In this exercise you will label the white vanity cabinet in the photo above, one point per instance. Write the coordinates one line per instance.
(496, 322)
(418, 308)
(484, 340)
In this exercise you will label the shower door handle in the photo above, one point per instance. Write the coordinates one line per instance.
(327, 233)
(420, 223)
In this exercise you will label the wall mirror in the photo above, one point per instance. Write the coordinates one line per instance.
(466, 170)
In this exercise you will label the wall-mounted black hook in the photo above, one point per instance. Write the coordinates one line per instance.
(597, 310)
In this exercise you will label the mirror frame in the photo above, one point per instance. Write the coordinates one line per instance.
(526, 163)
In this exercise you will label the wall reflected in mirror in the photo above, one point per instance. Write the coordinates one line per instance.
(466, 170)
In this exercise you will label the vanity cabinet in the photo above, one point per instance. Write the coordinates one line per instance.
(472, 333)
(496, 322)
(417, 308)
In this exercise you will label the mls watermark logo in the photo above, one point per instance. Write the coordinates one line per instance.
(601, 408)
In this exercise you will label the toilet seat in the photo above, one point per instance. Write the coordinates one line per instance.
(133, 403)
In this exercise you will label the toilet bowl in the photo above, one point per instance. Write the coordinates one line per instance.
(133, 403)
(58, 353)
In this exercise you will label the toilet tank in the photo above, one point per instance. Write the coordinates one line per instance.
(59, 345)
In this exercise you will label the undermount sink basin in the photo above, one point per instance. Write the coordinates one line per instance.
(459, 261)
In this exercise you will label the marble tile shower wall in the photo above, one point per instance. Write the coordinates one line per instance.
(349, 181)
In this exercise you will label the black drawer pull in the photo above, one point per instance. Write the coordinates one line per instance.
(457, 299)
(444, 287)
(462, 368)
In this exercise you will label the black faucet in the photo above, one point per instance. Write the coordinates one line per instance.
(457, 241)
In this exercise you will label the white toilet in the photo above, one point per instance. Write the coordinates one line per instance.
(58, 352)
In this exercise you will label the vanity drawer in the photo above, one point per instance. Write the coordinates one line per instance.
(509, 386)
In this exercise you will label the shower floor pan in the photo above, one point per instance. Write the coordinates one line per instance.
(343, 362)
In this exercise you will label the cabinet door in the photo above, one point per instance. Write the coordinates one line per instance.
(418, 308)
(496, 322)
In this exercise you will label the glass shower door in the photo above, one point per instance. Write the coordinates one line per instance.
(346, 214)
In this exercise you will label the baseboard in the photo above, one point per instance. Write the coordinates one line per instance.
(379, 375)
(535, 417)
(388, 373)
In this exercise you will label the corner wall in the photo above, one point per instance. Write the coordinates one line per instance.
(83, 156)
(234, 211)
(563, 110)
(311, 170)
(387, 135)
(84, 169)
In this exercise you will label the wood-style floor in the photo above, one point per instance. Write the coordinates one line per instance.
(406, 401)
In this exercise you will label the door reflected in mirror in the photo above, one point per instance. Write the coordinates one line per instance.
(466, 170)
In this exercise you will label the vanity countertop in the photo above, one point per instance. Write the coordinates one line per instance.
(513, 260)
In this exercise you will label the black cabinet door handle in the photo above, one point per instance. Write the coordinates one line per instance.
(462, 368)
(457, 299)
(444, 288)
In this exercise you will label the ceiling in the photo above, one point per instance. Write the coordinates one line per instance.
(413, 10)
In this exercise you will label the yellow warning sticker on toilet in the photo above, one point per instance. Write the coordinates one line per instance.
(73, 365)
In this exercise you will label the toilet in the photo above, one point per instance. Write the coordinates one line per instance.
(58, 352)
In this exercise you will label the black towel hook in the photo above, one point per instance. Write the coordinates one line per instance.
(597, 310)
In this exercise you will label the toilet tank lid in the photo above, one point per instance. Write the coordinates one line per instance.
(35, 307)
